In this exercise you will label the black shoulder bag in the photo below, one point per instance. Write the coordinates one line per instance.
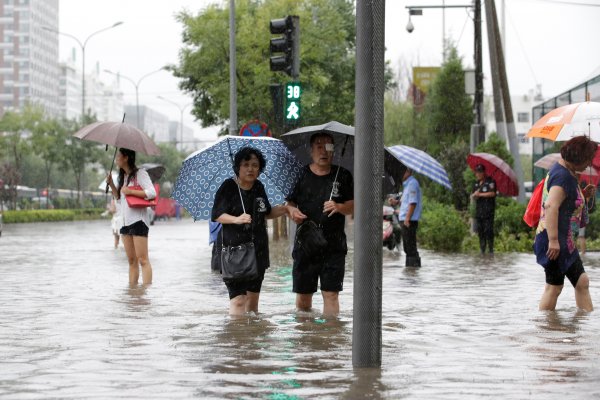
(238, 263)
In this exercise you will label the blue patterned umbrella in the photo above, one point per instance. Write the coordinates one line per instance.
(204, 171)
(422, 163)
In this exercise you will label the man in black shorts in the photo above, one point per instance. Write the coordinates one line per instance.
(325, 195)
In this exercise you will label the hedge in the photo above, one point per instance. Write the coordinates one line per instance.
(20, 216)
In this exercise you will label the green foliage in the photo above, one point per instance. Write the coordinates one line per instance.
(509, 216)
(441, 228)
(169, 157)
(453, 158)
(21, 216)
(402, 124)
(592, 230)
(326, 60)
(495, 145)
(448, 109)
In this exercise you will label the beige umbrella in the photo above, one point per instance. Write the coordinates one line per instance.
(119, 134)
(549, 160)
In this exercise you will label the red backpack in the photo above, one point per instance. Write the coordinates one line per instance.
(534, 208)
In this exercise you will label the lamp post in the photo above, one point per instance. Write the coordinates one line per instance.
(181, 110)
(82, 45)
(137, 86)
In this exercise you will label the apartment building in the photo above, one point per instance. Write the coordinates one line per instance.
(29, 68)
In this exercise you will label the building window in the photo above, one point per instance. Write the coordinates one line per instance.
(523, 117)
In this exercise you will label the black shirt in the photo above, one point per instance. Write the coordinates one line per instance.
(227, 201)
(485, 206)
(312, 190)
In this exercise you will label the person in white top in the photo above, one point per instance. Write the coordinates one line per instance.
(117, 221)
(135, 229)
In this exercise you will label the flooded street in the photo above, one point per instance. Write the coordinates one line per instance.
(461, 327)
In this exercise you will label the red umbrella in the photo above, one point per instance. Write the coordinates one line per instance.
(500, 171)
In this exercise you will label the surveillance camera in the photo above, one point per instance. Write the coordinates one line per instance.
(410, 27)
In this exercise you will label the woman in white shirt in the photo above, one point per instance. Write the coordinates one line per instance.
(135, 220)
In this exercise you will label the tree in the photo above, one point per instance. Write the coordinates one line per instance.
(448, 109)
(80, 153)
(48, 142)
(327, 60)
(17, 126)
(169, 157)
(495, 145)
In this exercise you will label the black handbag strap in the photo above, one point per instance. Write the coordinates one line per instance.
(244, 210)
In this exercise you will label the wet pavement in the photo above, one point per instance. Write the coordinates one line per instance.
(461, 327)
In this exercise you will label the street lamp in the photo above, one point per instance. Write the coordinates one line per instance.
(82, 45)
(137, 86)
(181, 109)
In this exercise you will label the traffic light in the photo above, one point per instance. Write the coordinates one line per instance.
(285, 50)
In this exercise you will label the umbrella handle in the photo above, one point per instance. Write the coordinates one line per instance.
(111, 165)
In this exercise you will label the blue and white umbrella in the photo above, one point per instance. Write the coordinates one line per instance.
(204, 171)
(422, 163)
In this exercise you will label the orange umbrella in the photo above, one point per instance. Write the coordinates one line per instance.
(565, 122)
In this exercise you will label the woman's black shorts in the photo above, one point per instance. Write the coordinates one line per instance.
(557, 278)
(138, 228)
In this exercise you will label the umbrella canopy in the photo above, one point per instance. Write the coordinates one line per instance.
(204, 171)
(565, 122)
(298, 142)
(119, 134)
(421, 162)
(548, 160)
(155, 171)
(500, 171)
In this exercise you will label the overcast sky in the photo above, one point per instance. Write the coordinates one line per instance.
(548, 42)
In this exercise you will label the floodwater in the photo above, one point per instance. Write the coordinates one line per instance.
(461, 327)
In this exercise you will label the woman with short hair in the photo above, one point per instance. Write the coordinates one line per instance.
(564, 211)
(245, 223)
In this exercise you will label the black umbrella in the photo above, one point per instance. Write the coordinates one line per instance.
(154, 170)
(298, 141)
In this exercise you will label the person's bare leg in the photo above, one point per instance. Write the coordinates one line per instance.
(252, 301)
(237, 305)
(582, 293)
(116, 235)
(141, 252)
(550, 297)
(331, 304)
(581, 244)
(134, 269)
(304, 301)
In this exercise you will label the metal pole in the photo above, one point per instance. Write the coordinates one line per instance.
(137, 107)
(368, 170)
(508, 111)
(497, 94)
(83, 81)
(232, 67)
(181, 128)
(478, 126)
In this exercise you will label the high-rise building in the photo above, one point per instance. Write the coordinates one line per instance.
(29, 69)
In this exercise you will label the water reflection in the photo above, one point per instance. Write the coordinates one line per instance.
(136, 299)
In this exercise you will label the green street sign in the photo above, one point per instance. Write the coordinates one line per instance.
(292, 94)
